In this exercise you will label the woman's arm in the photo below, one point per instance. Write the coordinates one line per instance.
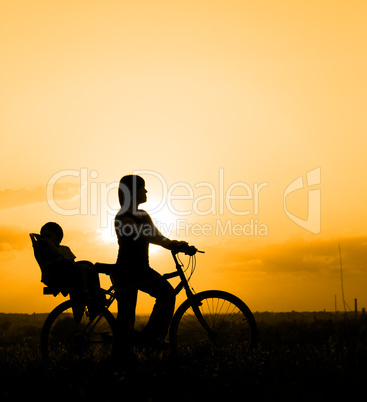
(157, 238)
(169, 244)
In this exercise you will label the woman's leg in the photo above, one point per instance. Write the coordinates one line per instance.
(156, 286)
(126, 304)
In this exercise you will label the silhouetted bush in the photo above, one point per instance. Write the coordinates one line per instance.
(301, 359)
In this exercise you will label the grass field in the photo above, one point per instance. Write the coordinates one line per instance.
(300, 357)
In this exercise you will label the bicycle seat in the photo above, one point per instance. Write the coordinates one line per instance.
(104, 268)
(55, 291)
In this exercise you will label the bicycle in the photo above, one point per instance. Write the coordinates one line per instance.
(211, 320)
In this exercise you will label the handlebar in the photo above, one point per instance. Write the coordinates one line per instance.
(188, 250)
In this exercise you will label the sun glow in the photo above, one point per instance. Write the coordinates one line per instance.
(107, 234)
(165, 222)
(162, 217)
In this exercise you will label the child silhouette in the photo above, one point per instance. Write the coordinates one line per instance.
(58, 265)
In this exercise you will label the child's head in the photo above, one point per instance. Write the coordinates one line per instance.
(52, 231)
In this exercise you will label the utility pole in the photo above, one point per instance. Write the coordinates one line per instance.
(341, 277)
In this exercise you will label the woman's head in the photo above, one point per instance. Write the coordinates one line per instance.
(131, 190)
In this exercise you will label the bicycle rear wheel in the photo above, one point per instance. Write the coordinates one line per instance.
(69, 335)
(229, 324)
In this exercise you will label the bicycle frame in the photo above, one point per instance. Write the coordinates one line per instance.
(179, 272)
(184, 284)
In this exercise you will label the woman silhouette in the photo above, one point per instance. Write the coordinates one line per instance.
(135, 231)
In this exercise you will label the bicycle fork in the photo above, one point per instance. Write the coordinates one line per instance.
(196, 309)
(194, 303)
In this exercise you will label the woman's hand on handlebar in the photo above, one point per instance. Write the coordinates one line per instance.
(183, 247)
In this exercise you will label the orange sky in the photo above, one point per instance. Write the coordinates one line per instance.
(207, 100)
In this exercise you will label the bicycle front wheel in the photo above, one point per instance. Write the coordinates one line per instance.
(214, 321)
(72, 334)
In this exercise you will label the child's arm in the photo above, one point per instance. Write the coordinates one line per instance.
(66, 253)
